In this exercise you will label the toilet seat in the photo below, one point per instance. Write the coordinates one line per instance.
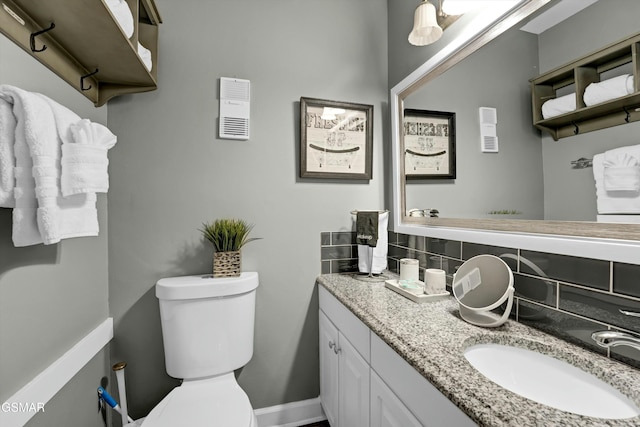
(213, 402)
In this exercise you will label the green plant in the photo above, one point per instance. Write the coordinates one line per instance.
(228, 235)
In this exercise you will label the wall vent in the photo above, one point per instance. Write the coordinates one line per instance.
(235, 105)
(488, 136)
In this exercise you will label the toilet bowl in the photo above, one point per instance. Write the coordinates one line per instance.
(207, 330)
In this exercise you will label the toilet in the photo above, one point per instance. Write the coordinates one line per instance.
(207, 329)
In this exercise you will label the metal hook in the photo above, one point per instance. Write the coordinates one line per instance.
(32, 38)
(84, 77)
(577, 129)
(628, 118)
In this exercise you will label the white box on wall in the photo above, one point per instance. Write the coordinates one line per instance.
(488, 135)
(235, 106)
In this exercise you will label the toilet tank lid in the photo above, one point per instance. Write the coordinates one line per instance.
(205, 286)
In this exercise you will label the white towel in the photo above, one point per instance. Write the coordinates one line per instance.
(615, 202)
(41, 214)
(606, 90)
(555, 107)
(85, 161)
(145, 55)
(7, 158)
(621, 172)
(122, 13)
(374, 260)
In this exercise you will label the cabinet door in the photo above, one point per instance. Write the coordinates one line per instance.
(353, 386)
(328, 369)
(386, 409)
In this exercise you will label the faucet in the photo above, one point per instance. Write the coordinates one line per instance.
(614, 338)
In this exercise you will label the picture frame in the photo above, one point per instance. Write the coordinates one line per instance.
(429, 144)
(336, 139)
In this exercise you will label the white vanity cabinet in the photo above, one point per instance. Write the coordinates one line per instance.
(364, 382)
(386, 408)
(344, 366)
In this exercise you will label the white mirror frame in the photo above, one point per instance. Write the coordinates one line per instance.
(528, 235)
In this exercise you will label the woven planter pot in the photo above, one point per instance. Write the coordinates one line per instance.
(226, 264)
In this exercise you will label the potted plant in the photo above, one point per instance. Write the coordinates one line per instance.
(228, 236)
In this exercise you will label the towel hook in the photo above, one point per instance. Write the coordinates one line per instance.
(577, 129)
(84, 77)
(32, 38)
(628, 118)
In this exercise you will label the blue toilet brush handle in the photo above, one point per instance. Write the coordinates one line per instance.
(104, 395)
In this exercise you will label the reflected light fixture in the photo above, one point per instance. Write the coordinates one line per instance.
(329, 113)
(458, 7)
(425, 25)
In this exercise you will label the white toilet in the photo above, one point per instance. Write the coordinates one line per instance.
(207, 328)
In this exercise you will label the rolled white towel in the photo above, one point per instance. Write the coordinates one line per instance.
(121, 12)
(7, 157)
(145, 55)
(606, 90)
(557, 106)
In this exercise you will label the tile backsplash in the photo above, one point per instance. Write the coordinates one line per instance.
(569, 297)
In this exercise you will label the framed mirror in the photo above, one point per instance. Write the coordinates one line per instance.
(471, 72)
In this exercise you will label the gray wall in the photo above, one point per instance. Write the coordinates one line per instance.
(51, 296)
(605, 22)
(170, 173)
(496, 76)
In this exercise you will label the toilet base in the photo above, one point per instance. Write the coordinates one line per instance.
(210, 402)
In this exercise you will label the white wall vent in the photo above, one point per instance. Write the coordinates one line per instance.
(235, 104)
(488, 136)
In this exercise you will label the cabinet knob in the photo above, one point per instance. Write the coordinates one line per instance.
(336, 349)
(331, 344)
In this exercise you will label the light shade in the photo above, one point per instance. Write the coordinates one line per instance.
(425, 25)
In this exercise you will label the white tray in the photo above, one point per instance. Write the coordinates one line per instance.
(419, 298)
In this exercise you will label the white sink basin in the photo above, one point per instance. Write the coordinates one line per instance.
(550, 381)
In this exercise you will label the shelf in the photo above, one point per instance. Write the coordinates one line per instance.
(86, 37)
(580, 73)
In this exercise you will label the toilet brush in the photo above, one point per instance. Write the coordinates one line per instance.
(102, 393)
(118, 368)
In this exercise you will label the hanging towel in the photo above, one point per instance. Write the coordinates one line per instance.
(41, 213)
(7, 158)
(606, 90)
(122, 13)
(84, 160)
(621, 172)
(374, 259)
(367, 228)
(615, 202)
(557, 106)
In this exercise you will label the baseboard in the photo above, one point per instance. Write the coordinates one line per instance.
(35, 394)
(292, 414)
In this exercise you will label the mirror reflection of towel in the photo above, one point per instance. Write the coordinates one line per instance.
(367, 228)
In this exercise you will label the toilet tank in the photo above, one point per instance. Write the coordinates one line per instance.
(207, 323)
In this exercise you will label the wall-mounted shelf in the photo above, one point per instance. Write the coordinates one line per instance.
(85, 38)
(580, 73)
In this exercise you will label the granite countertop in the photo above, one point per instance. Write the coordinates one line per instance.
(432, 337)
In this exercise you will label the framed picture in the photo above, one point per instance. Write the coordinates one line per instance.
(336, 139)
(429, 144)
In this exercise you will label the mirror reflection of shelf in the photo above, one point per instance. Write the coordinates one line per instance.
(580, 74)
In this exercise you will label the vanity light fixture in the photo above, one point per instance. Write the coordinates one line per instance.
(425, 25)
